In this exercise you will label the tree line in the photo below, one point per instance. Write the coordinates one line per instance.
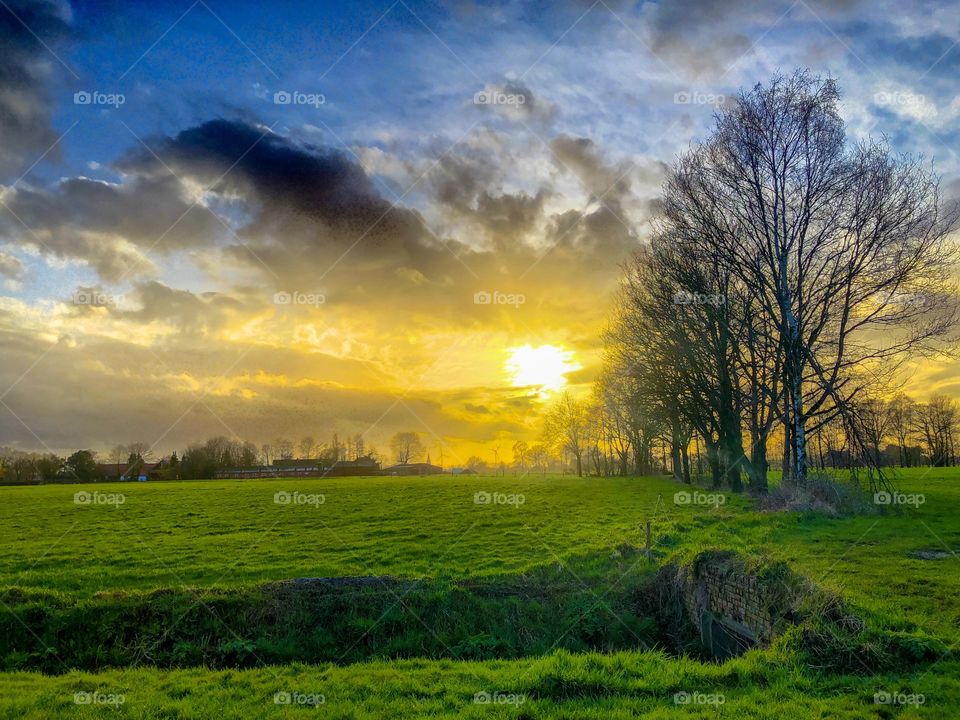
(792, 273)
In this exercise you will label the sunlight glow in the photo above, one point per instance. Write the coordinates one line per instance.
(544, 367)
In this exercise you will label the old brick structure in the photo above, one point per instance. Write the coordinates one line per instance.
(731, 606)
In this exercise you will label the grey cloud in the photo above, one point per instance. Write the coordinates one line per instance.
(89, 220)
(25, 97)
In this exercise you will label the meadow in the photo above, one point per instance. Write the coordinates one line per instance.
(514, 587)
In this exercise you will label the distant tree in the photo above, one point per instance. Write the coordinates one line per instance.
(520, 450)
(477, 464)
(901, 410)
(23, 468)
(567, 428)
(266, 453)
(406, 446)
(83, 465)
(539, 457)
(284, 449)
(49, 467)
(171, 469)
(119, 454)
(219, 453)
(307, 447)
(140, 450)
(936, 423)
(358, 446)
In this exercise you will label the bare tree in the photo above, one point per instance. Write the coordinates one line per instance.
(567, 428)
(901, 410)
(520, 450)
(307, 447)
(831, 241)
(283, 449)
(936, 424)
(406, 447)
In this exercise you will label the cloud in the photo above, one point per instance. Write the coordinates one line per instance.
(111, 227)
(515, 101)
(705, 39)
(26, 27)
(10, 266)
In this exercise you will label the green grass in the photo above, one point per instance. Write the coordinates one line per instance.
(230, 533)
(622, 685)
(228, 536)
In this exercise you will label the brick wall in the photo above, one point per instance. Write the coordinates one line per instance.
(718, 594)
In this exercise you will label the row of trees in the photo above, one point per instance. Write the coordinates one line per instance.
(17, 466)
(595, 437)
(903, 432)
(791, 275)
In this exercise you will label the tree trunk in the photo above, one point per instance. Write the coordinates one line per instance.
(758, 466)
(713, 460)
(675, 448)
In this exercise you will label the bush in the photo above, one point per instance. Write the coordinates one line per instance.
(822, 493)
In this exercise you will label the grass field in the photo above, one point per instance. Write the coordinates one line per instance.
(185, 554)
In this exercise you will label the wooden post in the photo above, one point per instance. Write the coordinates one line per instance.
(647, 549)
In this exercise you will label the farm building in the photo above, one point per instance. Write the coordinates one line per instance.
(413, 469)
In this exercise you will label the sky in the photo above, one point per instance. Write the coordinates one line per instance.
(271, 220)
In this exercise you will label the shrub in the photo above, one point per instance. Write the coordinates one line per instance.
(822, 493)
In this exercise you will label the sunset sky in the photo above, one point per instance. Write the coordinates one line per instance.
(285, 219)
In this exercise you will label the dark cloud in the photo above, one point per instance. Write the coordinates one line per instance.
(466, 185)
(29, 29)
(309, 205)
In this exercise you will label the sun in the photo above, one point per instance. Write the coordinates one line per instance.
(544, 367)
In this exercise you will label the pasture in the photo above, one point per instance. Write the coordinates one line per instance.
(516, 586)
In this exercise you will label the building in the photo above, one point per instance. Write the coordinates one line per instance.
(125, 472)
(413, 469)
(305, 467)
